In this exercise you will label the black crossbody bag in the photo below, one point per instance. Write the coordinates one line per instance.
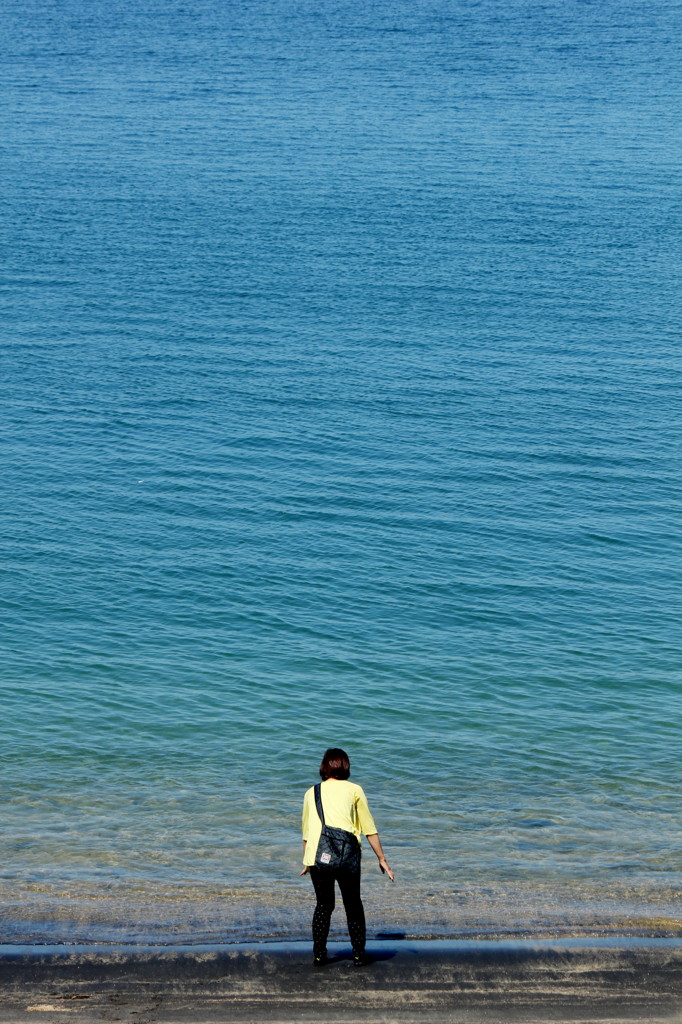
(336, 848)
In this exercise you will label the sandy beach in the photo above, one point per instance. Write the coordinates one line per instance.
(463, 982)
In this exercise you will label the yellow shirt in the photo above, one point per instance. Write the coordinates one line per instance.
(345, 806)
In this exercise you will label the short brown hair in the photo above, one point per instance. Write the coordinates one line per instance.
(335, 764)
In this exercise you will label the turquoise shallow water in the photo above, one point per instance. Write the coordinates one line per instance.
(340, 405)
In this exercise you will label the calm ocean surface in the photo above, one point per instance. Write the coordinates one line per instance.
(340, 404)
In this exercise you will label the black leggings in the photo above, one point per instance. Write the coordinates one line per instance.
(349, 883)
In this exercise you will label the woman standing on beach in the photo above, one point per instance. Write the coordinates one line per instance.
(341, 807)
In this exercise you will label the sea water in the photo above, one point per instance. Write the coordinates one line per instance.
(340, 406)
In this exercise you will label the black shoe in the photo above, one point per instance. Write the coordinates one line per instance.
(321, 961)
(362, 960)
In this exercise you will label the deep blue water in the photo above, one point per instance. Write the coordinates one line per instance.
(340, 404)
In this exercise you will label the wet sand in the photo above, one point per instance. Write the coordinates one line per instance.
(463, 982)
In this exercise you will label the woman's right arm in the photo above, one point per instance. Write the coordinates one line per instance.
(305, 818)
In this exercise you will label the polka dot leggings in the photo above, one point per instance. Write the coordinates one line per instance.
(349, 883)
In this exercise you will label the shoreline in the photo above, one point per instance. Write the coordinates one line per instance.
(155, 914)
(636, 931)
(615, 978)
(10, 951)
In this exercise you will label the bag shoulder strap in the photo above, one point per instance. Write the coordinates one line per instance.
(318, 802)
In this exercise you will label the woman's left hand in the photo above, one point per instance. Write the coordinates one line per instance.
(385, 869)
(304, 872)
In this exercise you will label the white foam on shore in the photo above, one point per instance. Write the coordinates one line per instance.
(11, 951)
